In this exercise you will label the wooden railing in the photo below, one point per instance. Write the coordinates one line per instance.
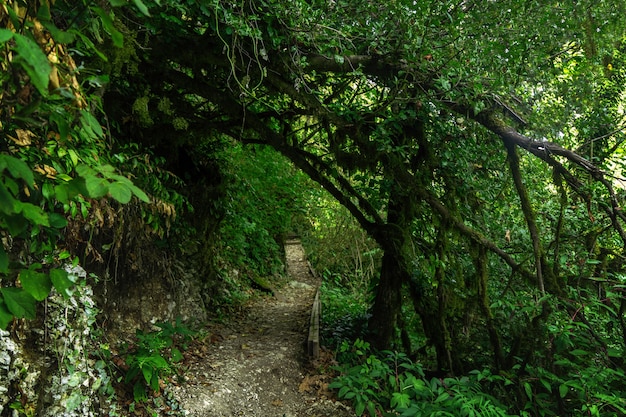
(314, 328)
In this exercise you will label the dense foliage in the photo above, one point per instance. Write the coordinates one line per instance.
(391, 383)
(54, 161)
(478, 146)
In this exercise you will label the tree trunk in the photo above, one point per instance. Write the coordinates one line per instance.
(388, 299)
(387, 303)
(481, 263)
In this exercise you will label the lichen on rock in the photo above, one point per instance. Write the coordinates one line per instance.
(48, 371)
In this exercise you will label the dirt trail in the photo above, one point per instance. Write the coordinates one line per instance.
(257, 366)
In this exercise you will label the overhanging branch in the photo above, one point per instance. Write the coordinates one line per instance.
(546, 151)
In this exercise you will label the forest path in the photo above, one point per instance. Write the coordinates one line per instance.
(257, 366)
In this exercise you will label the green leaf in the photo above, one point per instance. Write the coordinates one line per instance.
(34, 61)
(15, 19)
(34, 213)
(64, 255)
(59, 35)
(16, 224)
(563, 390)
(158, 362)
(90, 123)
(84, 210)
(177, 356)
(342, 392)
(614, 353)
(444, 84)
(479, 106)
(120, 191)
(139, 392)
(139, 193)
(335, 385)
(61, 281)
(96, 187)
(74, 400)
(47, 190)
(44, 16)
(442, 397)
(5, 315)
(43, 13)
(9, 204)
(117, 3)
(61, 121)
(18, 169)
(85, 171)
(529, 390)
(88, 42)
(12, 186)
(65, 192)
(5, 35)
(154, 383)
(546, 385)
(577, 386)
(73, 156)
(133, 370)
(359, 408)
(107, 23)
(57, 221)
(61, 192)
(400, 400)
(110, 174)
(36, 284)
(147, 373)
(142, 7)
(76, 379)
(20, 303)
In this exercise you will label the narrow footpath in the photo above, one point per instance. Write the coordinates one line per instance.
(258, 366)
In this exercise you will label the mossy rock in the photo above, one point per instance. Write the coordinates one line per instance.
(261, 284)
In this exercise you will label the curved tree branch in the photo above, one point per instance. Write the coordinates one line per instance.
(528, 211)
(546, 151)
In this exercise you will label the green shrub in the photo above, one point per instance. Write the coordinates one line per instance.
(154, 356)
(391, 384)
(345, 313)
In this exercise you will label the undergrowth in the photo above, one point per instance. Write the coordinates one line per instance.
(390, 384)
(153, 359)
(345, 312)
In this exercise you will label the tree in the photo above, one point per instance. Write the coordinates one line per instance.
(410, 115)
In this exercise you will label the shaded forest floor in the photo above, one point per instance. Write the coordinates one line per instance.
(256, 366)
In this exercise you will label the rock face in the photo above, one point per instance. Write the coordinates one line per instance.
(258, 366)
(153, 300)
(50, 366)
(45, 366)
(8, 351)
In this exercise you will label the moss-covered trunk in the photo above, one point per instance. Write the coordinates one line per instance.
(388, 299)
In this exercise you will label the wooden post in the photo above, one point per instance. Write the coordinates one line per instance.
(314, 328)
